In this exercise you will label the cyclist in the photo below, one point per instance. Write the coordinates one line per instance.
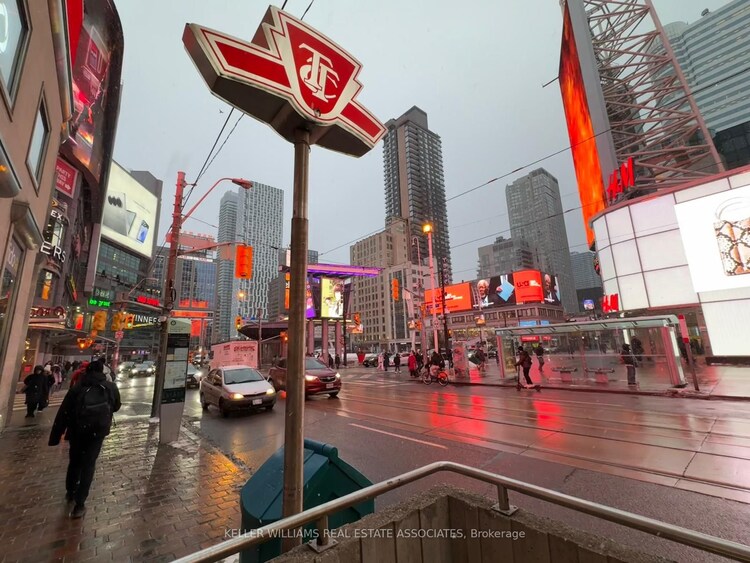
(481, 358)
(436, 363)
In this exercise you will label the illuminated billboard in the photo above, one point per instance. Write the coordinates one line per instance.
(331, 298)
(715, 232)
(96, 73)
(457, 298)
(528, 286)
(129, 214)
(524, 286)
(583, 143)
(495, 291)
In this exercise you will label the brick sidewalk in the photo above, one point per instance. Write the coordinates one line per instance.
(147, 502)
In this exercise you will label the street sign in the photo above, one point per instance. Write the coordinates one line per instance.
(288, 66)
(119, 335)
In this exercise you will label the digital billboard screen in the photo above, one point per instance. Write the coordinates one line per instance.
(96, 71)
(331, 298)
(494, 291)
(517, 288)
(457, 298)
(715, 233)
(528, 286)
(129, 214)
(551, 288)
(583, 143)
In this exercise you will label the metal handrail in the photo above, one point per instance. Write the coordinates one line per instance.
(319, 514)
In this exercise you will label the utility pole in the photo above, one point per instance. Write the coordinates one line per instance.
(443, 272)
(260, 337)
(170, 294)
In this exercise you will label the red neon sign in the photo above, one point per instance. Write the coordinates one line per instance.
(621, 179)
(142, 299)
(611, 303)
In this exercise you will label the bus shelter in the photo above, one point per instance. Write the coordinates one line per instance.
(590, 351)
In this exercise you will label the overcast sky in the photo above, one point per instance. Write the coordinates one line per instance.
(477, 69)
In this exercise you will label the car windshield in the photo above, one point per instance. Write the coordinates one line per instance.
(242, 375)
(191, 369)
(312, 363)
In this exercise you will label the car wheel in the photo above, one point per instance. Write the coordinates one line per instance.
(270, 407)
(204, 404)
(333, 395)
(224, 410)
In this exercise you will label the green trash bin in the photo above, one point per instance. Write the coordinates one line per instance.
(326, 478)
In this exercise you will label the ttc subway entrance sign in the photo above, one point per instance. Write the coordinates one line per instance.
(288, 76)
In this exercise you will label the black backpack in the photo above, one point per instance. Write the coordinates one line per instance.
(94, 414)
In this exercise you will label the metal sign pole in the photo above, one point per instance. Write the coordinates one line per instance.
(295, 392)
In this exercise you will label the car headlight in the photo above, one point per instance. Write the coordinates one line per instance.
(151, 369)
(134, 370)
(338, 375)
(237, 396)
(270, 391)
(310, 378)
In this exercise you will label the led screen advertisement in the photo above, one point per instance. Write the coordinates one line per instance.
(96, 73)
(580, 128)
(331, 298)
(457, 298)
(715, 232)
(129, 214)
(518, 288)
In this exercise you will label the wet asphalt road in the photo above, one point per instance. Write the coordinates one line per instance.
(647, 455)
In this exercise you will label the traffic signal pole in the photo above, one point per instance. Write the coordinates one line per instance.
(295, 390)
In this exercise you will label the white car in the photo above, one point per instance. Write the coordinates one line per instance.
(144, 368)
(235, 388)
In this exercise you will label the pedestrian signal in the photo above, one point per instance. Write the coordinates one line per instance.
(243, 262)
(394, 289)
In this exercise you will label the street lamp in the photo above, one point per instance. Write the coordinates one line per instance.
(427, 229)
(178, 218)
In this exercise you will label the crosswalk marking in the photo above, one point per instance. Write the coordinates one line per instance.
(19, 401)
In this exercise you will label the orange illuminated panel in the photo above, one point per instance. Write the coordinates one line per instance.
(457, 298)
(286, 292)
(195, 327)
(580, 129)
(528, 286)
(191, 314)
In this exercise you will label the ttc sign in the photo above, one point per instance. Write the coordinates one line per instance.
(288, 76)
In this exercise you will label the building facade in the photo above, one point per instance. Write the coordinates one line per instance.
(504, 255)
(226, 305)
(260, 216)
(536, 217)
(386, 322)
(414, 182)
(50, 194)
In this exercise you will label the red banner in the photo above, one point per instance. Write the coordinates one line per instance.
(66, 177)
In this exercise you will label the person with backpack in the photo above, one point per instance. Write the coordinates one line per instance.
(86, 413)
(524, 360)
(539, 351)
(397, 362)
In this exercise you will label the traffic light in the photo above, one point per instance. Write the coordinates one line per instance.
(82, 343)
(129, 321)
(394, 289)
(243, 262)
(284, 336)
(99, 321)
(238, 322)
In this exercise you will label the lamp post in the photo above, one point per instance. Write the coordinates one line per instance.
(427, 229)
(420, 292)
(170, 293)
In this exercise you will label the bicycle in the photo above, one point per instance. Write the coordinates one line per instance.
(439, 375)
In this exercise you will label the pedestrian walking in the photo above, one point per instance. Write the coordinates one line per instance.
(386, 360)
(337, 361)
(35, 388)
(630, 363)
(397, 362)
(330, 361)
(86, 413)
(412, 364)
(524, 360)
(539, 351)
(57, 375)
(381, 361)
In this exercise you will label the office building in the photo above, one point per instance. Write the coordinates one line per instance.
(536, 217)
(226, 303)
(386, 323)
(414, 183)
(710, 52)
(587, 282)
(504, 255)
(253, 217)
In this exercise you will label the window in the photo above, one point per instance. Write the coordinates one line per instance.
(14, 31)
(38, 146)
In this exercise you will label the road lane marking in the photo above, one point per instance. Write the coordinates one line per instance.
(399, 436)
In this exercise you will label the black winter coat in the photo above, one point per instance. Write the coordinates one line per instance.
(36, 388)
(66, 416)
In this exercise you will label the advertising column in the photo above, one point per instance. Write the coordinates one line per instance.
(173, 394)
